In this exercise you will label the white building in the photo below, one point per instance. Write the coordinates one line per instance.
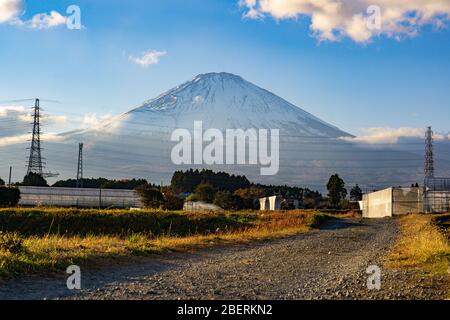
(399, 201)
(270, 203)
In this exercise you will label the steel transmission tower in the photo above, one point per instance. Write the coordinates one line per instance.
(35, 164)
(80, 166)
(429, 155)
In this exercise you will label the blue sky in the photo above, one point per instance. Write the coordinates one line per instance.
(383, 82)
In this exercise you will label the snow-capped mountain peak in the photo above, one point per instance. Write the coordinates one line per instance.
(227, 101)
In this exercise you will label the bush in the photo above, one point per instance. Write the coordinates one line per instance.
(228, 201)
(9, 197)
(172, 202)
(11, 242)
(249, 197)
(151, 198)
(205, 192)
(2, 182)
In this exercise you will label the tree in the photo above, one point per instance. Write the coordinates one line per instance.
(224, 199)
(250, 196)
(250, 193)
(124, 184)
(187, 181)
(2, 183)
(228, 201)
(205, 192)
(171, 200)
(34, 180)
(356, 193)
(151, 198)
(102, 183)
(9, 197)
(336, 191)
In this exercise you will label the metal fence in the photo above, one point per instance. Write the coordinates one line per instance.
(437, 184)
(437, 202)
(437, 195)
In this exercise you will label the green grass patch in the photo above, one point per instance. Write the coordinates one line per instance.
(76, 222)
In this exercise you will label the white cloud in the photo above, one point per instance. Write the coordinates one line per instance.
(105, 123)
(56, 119)
(91, 120)
(24, 138)
(334, 19)
(388, 135)
(48, 119)
(10, 10)
(24, 114)
(46, 21)
(392, 135)
(148, 58)
(7, 110)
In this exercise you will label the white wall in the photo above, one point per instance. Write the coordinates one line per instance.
(378, 204)
(201, 207)
(270, 203)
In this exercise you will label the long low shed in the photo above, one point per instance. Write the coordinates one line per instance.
(399, 201)
(392, 201)
(78, 197)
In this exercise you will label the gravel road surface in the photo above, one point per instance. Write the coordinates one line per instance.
(329, 263)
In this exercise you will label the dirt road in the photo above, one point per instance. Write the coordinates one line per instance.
(330, 263)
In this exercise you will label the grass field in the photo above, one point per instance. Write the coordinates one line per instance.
(49, 240)
(424, 244)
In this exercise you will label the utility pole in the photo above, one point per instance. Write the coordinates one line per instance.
(80, 166)
(35, 160)
(9, 180)
(429, 154)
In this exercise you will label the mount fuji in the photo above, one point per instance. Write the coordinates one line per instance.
(226, 101)
(138, 143)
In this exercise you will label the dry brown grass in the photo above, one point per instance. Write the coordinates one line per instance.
(269, 226)
(55, 252)
(421, 245)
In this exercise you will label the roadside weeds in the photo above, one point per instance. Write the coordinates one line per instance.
(423, 246)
